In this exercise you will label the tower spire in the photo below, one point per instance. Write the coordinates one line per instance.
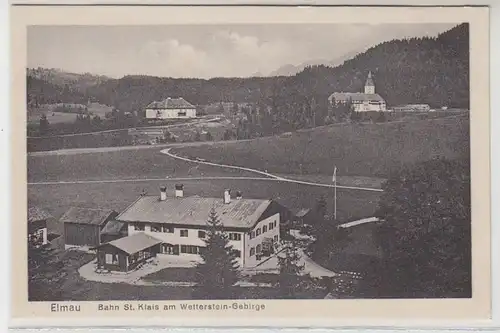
(369, 85)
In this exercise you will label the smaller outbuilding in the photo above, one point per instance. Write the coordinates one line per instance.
(127, 253)
(84, 226)
(37, 226)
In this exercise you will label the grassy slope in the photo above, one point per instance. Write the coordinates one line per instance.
(363, 149)
(124, 164)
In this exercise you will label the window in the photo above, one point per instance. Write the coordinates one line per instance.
(258, 232)
(201, 234)
(252, 234)
(184, 233)
(156, 227)
(139, 227)
(258, 248)
(252, 251)
(234, 236)
(181, 113)
(264, 229)
(190, 249)
(275, 224)
(271, 225)
(275, 238)
(111, 259)
(168, 229)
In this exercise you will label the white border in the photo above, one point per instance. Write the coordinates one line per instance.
(495, 130)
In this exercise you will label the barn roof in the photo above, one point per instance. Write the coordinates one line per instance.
(359, 222)
(242, 213)
(37, 214)
(356, 96)
(134, 243)
(171, 103)
(113, 227)
(303, 212)
(86, 215)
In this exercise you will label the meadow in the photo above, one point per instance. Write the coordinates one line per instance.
(373, 150)
(120, 164)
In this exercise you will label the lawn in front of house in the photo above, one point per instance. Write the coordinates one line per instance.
(75, 288)
(172, 274)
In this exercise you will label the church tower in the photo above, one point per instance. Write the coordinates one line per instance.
(369, 85)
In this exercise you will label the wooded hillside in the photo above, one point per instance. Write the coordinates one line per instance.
(418, 70)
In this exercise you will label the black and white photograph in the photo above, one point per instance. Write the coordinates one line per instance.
(181, 166)
(311, 161)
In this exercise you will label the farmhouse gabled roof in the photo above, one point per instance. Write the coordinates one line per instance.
(355, 97)
(87, 215)
(171, 103)
(242, 213)
(134, 243)
(37, 214)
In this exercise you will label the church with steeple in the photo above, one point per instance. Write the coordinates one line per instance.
(365, 101)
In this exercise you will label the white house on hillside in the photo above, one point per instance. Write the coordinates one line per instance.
(361, 102)
(171, 108)
(180, 223)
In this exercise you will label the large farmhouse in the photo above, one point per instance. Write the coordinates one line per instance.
(170, 108)
(177, 226)
(361, 102)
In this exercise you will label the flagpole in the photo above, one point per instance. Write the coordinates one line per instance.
(335, 193)
(335, 202)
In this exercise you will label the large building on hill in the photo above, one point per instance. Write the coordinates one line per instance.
(170, 108)
(361, 101)
(174, 225)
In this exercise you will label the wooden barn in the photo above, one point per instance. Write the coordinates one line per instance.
(83, 226)
(127, 253)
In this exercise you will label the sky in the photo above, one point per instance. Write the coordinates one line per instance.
(205, 51)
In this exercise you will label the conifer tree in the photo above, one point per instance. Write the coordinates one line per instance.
(289, 280)
(44, 273)
(218, 271)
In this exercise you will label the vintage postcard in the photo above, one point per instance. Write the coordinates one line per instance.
(250, 166)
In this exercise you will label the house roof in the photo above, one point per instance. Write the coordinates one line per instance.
(37, 214)
(171, 103)
(113, 227)
(357, 96)
(302, 212)
(86, 215)
(359, 222)
(134, 243)
(242, 213)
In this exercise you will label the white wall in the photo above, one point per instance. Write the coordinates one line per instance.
(169, 113)
(365, 107)
(192, 239)
(251, 261)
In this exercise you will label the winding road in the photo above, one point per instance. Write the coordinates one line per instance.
(269, 176)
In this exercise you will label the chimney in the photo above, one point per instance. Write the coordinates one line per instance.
(227, 196)
(163, 193)
(179, 190)
(238, 195)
